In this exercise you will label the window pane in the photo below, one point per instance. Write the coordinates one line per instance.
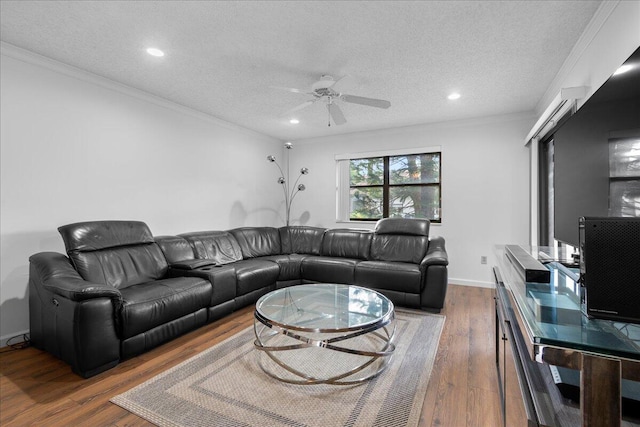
(366, 171)
(414, 169)
(366, 203)
(624, 157)
(415, 202)
(624, 198)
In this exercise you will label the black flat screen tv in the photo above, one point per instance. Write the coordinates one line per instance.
(595, 172)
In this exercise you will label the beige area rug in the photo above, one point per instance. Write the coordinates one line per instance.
(225, 386)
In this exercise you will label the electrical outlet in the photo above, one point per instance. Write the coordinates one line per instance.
(483, 259)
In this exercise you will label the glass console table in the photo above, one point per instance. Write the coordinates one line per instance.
(548, 326)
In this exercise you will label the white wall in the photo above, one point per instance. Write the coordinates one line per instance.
(485, 176)
(610, 38)
(78, 148)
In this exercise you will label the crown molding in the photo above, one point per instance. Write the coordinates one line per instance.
(33, 58)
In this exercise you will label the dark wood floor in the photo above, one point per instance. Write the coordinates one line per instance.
(37, 389)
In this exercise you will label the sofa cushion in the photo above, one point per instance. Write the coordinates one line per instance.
(289, 265)
(147, 305)
(114, 253)
(257, 241)
(400, 240)
(254, 274)
(301, 239)
(121, 267)
(408, 226)
(346, 243)
(328, 269)
(175, 248)
(96, 235)
(218, 246)
(398, 248)
(394, 276)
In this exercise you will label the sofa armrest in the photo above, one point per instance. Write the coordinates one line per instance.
(436, 253)
(71, 318)
(436, 276)
(56, 274)
(192, 264)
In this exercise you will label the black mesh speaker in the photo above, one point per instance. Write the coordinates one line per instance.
(610, 267)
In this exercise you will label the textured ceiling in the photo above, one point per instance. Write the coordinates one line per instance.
(223, 57)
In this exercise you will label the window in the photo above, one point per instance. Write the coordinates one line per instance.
(392, 185)
(624, 173)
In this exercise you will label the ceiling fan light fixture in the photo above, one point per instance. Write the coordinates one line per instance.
(154, 51)
(453, 96)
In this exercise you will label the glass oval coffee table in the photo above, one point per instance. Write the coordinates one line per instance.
(324, 334)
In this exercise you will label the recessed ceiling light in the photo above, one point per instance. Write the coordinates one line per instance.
(623, 69)
(453, 96)
(155, 52)
(294, 121)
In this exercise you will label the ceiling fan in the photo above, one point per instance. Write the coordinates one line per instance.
(323, 90)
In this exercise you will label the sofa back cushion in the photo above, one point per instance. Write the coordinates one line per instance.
(218, 246)
(175, 248)
(301, 239)
(346, 243)
(115, 253)
(400, 240)
(258, 241)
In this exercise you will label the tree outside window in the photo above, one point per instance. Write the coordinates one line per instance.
(405, 186)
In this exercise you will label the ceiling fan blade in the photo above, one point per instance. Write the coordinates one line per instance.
(371, 102)
(299, 107)
(289, 89)
(336, 114)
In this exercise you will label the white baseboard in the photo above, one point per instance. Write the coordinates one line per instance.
(5, 338)
(477, 284)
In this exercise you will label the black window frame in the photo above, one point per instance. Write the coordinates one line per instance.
(386, 185)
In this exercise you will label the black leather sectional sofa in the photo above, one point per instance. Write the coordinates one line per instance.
(120, 291)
